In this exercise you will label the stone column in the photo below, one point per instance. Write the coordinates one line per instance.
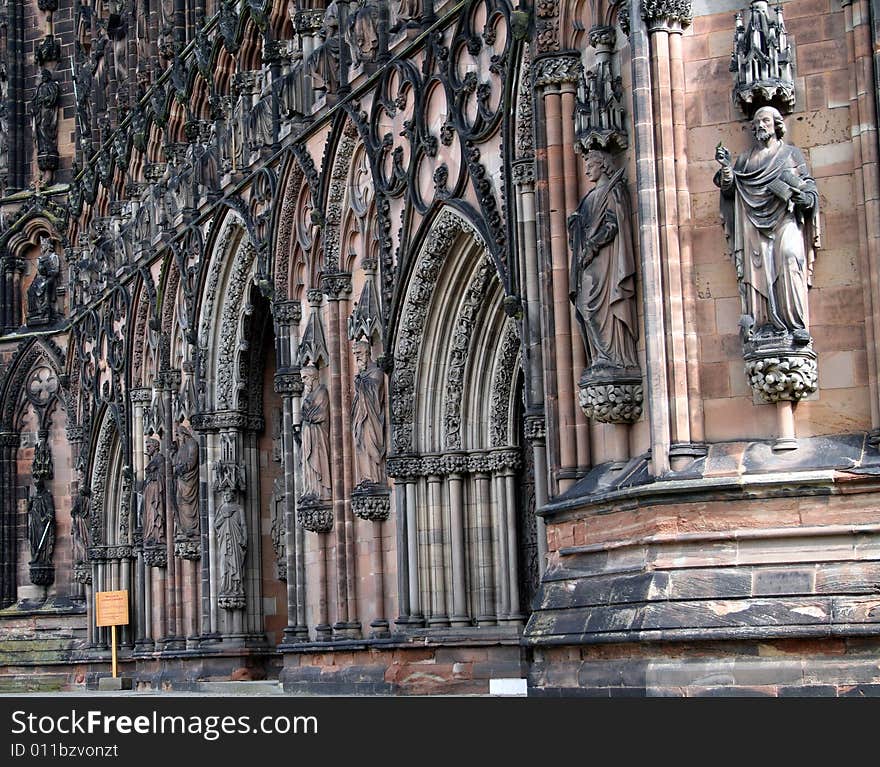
(665, 22)
(140, 399)
(657, 384)
(337, 286)
(455, 493)
(436, 536)
(483, 556)
(555, 80)
(172, 639)
(862, 41)
(9, 441)
(288, 383)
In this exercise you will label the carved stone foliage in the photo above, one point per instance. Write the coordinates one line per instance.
(770, 208)
(547, 25)
(663, 12)
(404, 467)
(502, 382)
(602, 288)
(791, 377)
(611, 402)
(762, 60)
(315, 516)
(371, 503)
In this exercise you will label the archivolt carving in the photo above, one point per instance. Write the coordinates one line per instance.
(439, 241)
(284, 238)
(227, 355)
(100, 467)
(344, 151)
(458, 354)
(502, 382)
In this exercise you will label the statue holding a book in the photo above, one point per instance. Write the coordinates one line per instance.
(770, 207)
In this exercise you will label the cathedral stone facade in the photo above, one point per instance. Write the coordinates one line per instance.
(391, 347)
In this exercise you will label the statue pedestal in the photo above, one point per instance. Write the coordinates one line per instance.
(783, 373)
(42, 575)
(611, 395)
(315, 515)
(371, 502)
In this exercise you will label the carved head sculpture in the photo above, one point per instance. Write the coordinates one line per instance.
(363, 354)
(598, 164)
(152, 446)
(309, 375)
(767, 122)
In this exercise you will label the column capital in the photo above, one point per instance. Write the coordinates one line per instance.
(557, 69)
(672, 15)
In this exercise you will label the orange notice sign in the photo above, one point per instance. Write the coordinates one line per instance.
(111, 608)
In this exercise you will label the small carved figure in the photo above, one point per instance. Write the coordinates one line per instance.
(185, 460)
(41, 524)
(770, 207)
(231, 546)
(79, 523)
(315, 413)
(362, 33)
(368, 416)
(602, 279)
(154, 495)
(44, 111)
(323, 64)
(41, 293)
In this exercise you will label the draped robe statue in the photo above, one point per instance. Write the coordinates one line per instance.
(602, 278)
(154, 496)
(231, 550)
(186, 482)
(315, 413)
(368, 416)
(41, 524)
(770, 207)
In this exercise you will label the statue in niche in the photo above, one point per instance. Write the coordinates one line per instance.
(231, 549)
(323, 64)
(770, 207)
(153, 519)
(368, 416)
(79, 522)
(315, 436)
(41, 293)
(44, 111)
(602, 278)
(362, 33)
(41, 525)
(185, 462)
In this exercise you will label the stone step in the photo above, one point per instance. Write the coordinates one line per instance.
(28, 682)
(265, 687)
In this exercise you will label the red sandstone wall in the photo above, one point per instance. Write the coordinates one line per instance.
(820, 126)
